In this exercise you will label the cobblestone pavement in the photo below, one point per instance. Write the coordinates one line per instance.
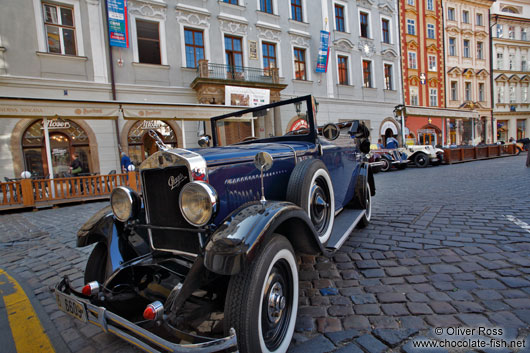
(448, 246)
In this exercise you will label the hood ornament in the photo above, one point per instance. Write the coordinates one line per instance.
(159, 143)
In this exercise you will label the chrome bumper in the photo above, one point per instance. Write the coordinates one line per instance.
(138, 336)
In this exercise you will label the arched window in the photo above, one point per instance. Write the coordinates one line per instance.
(141, 145)
(66, 138)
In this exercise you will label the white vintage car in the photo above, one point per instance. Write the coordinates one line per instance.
(423, 155)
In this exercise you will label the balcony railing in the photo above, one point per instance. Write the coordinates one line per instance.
(236, 73)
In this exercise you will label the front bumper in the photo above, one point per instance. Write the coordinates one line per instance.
(136, 335)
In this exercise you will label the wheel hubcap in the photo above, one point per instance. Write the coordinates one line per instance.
(320, 207)
(276, 302)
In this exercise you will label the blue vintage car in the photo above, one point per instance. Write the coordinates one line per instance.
(207, 253)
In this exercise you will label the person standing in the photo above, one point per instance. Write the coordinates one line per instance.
(75, 167)
(391, 142)
(125, 162)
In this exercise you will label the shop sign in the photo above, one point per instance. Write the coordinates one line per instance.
(117, 10)
(426, 131)
(299, 124)
(244, 96)
(323, 52)
(57, 124)
(150, 124)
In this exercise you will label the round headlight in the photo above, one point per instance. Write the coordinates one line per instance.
(198, 202)
(124, 202)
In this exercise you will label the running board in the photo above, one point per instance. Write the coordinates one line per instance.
(343, 225)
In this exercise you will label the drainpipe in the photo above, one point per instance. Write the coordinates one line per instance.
(112, 79)
(444, 120)
(401, 105)
(492, 96)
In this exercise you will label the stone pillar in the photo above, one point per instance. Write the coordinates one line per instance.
(278, 131)
(512, 128)
(203, 68)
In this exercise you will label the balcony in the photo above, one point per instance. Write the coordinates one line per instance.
(212, 78)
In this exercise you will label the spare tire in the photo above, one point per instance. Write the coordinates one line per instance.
(310, 188)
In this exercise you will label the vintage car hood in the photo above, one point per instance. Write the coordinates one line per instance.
(245, 153)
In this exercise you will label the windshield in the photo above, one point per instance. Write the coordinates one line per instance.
(288, 119)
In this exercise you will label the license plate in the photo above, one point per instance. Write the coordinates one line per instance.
(434, 160)
(71, 306)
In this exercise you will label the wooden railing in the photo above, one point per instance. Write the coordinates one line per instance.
(29, 192)
(465, 154)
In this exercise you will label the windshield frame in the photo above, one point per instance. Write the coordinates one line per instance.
(309, 137)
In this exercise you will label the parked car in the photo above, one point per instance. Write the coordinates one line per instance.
(423, 155)
(210, 244)
(389, 158)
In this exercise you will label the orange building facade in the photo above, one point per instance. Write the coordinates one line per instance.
(423, 67)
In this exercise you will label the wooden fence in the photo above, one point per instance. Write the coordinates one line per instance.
(47, 192)
(465, 154)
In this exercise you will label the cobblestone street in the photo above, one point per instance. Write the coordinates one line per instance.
(448, 246)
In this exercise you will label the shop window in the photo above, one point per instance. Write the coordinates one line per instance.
(502, 130)
(60, 29)
(141, 145)
(66, 138)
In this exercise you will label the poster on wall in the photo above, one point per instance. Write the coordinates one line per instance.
(323, 52)
(244, 96)
(118, 26)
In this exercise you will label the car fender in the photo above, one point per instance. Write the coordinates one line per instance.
(365, 175)
(238, 239)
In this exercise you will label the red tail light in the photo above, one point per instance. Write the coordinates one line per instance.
(90, 288)
(154, 311)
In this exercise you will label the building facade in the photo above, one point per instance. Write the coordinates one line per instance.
(467, 70)
(511, 73)
(182, 59)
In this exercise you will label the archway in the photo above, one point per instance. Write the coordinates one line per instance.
(389, 127)
(429, 135)
(140, 145)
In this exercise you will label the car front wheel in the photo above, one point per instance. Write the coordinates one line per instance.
(386, 165)
(421, 160)
(262, 300)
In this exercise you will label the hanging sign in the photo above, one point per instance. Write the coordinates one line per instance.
(118, 26)
(150, 124)
(323, 52)
(57, 124)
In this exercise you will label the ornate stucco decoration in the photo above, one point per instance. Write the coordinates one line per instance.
(525, 79)
(414, 80)
(501, 78)
(389, 54)
(454, 72)
(482, 74)
(432, 82)
(386, 8)
(300, 39)
(411, 45)
(148, 8)
(233, 24)
(514, 79)
(268, 32)
(367, 4)
(344, 45)
(192, 16)
(452, 30)
(366, 47)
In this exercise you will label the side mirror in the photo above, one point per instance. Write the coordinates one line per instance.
(263, 161)
(359, 130)
(331, 132)
(204, 141)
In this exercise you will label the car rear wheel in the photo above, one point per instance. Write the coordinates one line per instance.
(386, 165)
(96, 264)
(421, 160)
(310, 188)
(262, 300)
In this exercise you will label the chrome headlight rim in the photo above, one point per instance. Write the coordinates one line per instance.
(211, 194)
(132, 200)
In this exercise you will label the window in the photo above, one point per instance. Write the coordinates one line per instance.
(500, 64)
(511, 32)
(413, 63)
(524, 94)
(365, 28)
(367, 73)
(452, 46)
(234, 54)
(499, 31)
(385, 28)
(269, 57)
(512, 94)
(481, 92)
(339, 18)
(148, 36)
(465, 16)
(299, 64)
(433, 97)
(432, 62)
(511, 59)
(466, 48)
(430, 5)
(451, 14)
(523, 63)
(523, 34)
(60, 29)
(500, 94)
(479, 20)
(414, 96)
(430, 31)
(342, 63)
(389, 80)
(411, 26)
(454, 91)
(266, 6)
(410, 2)
(480, 50)
(194, 46)
(296, 10)
(468, 91)
(233, 2)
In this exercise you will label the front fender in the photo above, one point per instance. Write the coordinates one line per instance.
(239, 238)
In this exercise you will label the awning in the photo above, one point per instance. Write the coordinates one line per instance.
(441, 113)
(63, 109)
(153, 112)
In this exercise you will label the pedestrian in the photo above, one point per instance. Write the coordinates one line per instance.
(75, 167)
(125, 162)
(391, 142)
(380, 144)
